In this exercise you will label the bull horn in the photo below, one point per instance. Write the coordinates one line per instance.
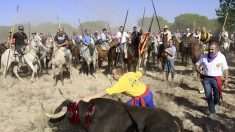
(55, 116)
(66, 98)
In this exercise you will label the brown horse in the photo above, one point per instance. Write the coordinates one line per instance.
(186, 48)
(102, 55)
(75, 50)
(162, 54)
(113, 55)
(176, 43)
(2, 50)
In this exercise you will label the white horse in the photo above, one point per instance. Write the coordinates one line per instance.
(62, 62)
(30, 57)
(90, 56)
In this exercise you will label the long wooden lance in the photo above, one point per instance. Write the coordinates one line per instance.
(156, 16)
(58, 20)
(226, 16)
(109, 28)
(125, 22)
(29, 28)
(81, 26)
(143, 19)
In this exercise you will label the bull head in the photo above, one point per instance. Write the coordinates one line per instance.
(61, 111)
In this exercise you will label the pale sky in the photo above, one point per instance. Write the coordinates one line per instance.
(114, 11)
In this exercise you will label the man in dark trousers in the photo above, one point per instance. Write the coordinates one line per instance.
(20, 40)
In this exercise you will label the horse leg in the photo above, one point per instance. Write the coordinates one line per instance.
(33, 69)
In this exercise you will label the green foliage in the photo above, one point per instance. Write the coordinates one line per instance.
(193, 22)
(94, 26)
(224, 7)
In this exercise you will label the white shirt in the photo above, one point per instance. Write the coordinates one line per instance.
(102, 37)
(215, 67)
(124, 36)
(224, 35)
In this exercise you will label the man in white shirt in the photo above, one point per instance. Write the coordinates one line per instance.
(122, 36)
(104, 39)
(224, 38)
(213, 65)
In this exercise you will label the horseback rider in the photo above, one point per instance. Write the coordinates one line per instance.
(166, 34)
(87, 40)
(76, 38)
(135, 36)
(197, 34)
(20, 41)
(188, 33)
(224, 37)
(205, 37)
(61, 39)
(104, 39)
(122, 36)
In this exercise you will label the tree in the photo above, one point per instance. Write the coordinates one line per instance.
(224, 7)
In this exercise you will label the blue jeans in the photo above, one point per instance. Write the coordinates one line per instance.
(121, 47)
(147, 99)
(211, 92)
(169, 65)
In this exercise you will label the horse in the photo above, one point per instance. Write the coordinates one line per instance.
(176, 43)
(75, 50)
(113, 54)
(143, 51)
(102, 54)
(62, 62)
(185, 48)
(3, 48)
(90, 57)
(162, 54)
(30, 57)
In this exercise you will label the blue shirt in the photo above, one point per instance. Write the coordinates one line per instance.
(172, 50)
(86, 40)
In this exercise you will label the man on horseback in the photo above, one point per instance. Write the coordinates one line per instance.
(135, 36)
(87, 40)
(197, 34)
(205, 37)
(61, 40)
(224, 39)
(122, 36)
(20, 41)
(104, 39)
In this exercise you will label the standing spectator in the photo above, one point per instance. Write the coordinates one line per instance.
(169, 64)
(214, 65)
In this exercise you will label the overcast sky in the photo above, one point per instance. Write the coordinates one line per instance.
(37, 11)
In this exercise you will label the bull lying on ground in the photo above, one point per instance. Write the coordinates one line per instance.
(106, 115)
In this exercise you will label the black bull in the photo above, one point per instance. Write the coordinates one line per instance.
(114, 116)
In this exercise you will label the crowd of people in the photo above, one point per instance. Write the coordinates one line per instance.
(211, 66)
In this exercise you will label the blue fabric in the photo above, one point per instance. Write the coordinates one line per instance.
(211, 92)
(86, 40)
(169, 65)
(148, 100)
(121, 47)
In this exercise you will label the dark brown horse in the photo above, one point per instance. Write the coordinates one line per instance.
(162, 54)
(186, 48)
(2, 49)
(113, 55)
(75, 50)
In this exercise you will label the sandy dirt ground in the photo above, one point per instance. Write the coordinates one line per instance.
(20, 109)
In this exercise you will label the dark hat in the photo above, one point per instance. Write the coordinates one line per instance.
(20, 28)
